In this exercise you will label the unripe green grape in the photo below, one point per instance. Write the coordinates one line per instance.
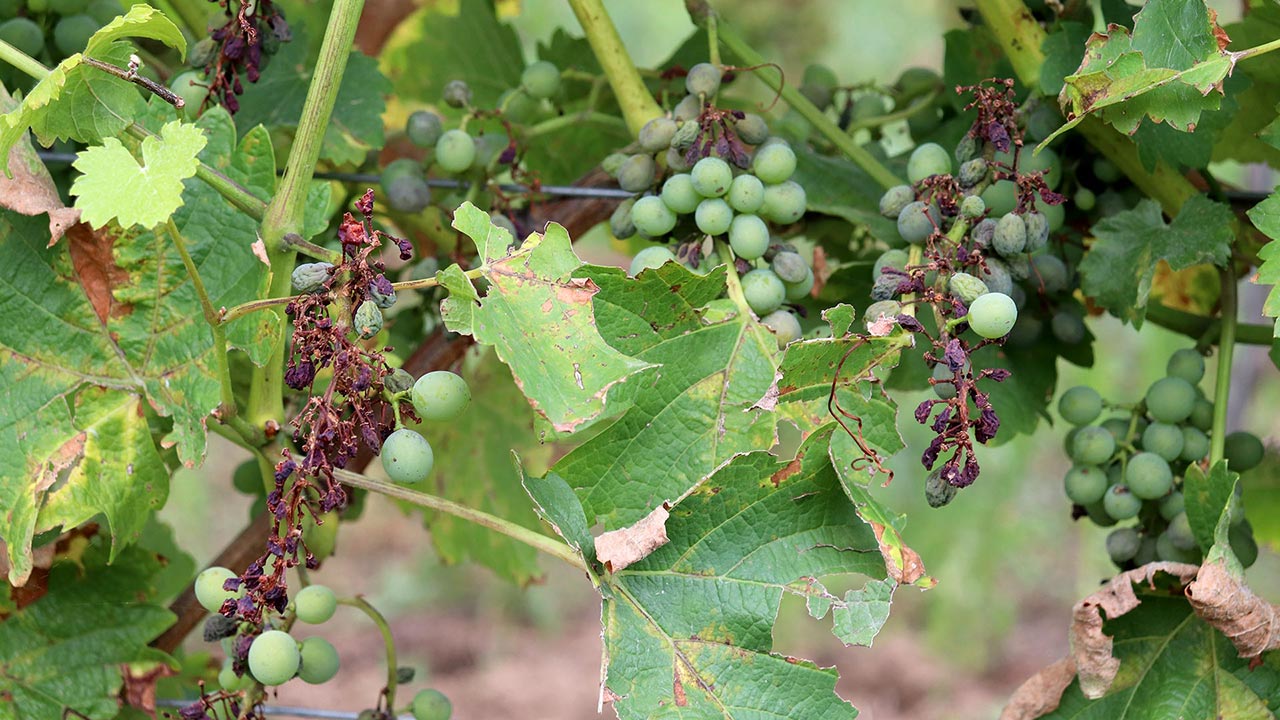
(1186, 364)
(636, 173)
(208, 587)
(1105, 170)
(24, 34)
(972, 207)
(944, 382)
(1171, 505)
(319, 661)
(686, 135)
(1171, 399)
(748, 235)
(274, 657)
(652, 217)
(1068, 327)
(703, 79)
(1001, 197)
(1148, 475)
(1037, 230)
(367, 320)
(407, 457)
(774, 163)
(784, 324)
(679, 195)
(893, 258)
(1168, 551)
(1118, 427)
(1098, 514)
(1201, 416)
(883, 308)
(72, 33)
(315, 604)
(983, 233)
(192, 87)
(927, 160)
(408, 194)
(1121, 504)
(649, 258)
(1011, 235)
(714, 216)
(455, 151)
(457, 94)
(1055, 215)
(751, 129)
(818, 84)
(67, 7)
(398, 168)
(917, 221)
(1242, 544)
(541, 79)
(1019, 269)
(1092, 445)
(1085, 484)
(247, 478)
(966, 149)
(992, 315)
(972, 172)
(1164, 440)
(1051, 272)
(996, 276)
(1123, 545)
(676, 161)
(763, 291)
(1180, 532)
(1146, 553)
(229, 680)
(1025, 332)
(1085, 199)
(1243, 450)
(1080, 405)
(799, 291)
(620, 223)
(431, 705)
(657, 134)
(689, 108)
(321, 537)
(424, 128)
(612, 163)
(937, 491)
(789, 267)
(966, 287)
(441, 395)
(746, 193)
(711, 177)
(1195, 444)
(895, 199)
(784, 203)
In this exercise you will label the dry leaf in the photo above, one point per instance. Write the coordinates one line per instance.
(1041, 693)
(1227, 604)
(620, 548)
(92, 255)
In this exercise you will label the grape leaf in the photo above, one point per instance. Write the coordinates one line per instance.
(1265, 216)
(1170, 68)
(114, 186)
(1207, 495)
(354, 129)
(539, 319)
(1063, 50)
(64, 651)
(971, 56)
(1163, 142)
(1118, 269)
(1172, 664)
(835, 186)
(685, 418)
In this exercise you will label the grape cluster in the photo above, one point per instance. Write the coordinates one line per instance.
(1130, 465)
(50, 30)
(440, 395)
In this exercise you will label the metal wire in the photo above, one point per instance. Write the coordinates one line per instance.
(373, 179)
(286, 711)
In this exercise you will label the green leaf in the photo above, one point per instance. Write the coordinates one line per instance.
(971, 56)
(808, 368)
(1063, 51)
(64, 651)
(354, 129)
(686, 417)
(1163, 142)
(1265, 216)
(142, 21)
(115, 186)
(1168, 75)
(688, 630)
(1207, 497)
(835, 186)
(556, 504)
(540, 320)
(1172, 664)
(1118, 269)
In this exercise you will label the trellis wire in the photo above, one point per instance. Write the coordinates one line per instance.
(286, 711)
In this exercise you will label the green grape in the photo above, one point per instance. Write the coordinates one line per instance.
(1171, 399)
(703, 79)
(943, 382)
(685, 136)
(229, 680)
(1171, 505)
(971, 173)
(1011, 235)
(992, 315)
(1029, 162)
(678, 194)
(456, 94)
(938, 492)
(1085, 199)
(687, 109)
(1080, 405)
(541, 79)
(1093, 445)
(1168, 551)
(1243, 450)
(1105, 170)
(319, 661)
(315, 604)
(424, 128)
(1187, 364)
(1085, 484)
(407, 457)
(1098, 514)
(1148, 475)
(983, 233)
(799, 291)
(784, 203)
(927, 160)
(24, 34)
(917, 221)
(193, 88)
(620, 224)
(1180, 532)
(748, 236)
(1001, 197)
(1037, 230)
(895, 199)
(431, 705)
(1055, 215)
(763, 290)
(72, 33)
(1121, 504)
(652, 217)
(657, 134)
(441, 395)
(784, 324)
(1068, 327)
(789, 267)
(1051, 272)
(818, 84)
(455, 151)
(1146, 553)
(751, 129)
(1026, 331)
(209, 588)
(398, 168)
(883, 308)
(68, 7)
(104, 11)
(746, 193)
(1019, 269)
(712, 177)
(972, 207)
(1195, 444)
(1243, 544)
(894, 258)
(676, 161)
(321, 537)
(636, 173)
(996, 276)
(966, 287)
(1164, 440)
(247, 478)
(408, 194)
(274, 657)
(650, 258)
(1123, 545)
(1119, 428)
(773, 163)
(612, 163)
(1201, 415)
(714, 216)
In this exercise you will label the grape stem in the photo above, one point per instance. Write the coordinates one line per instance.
(1226, 352)
(359, 603)
(570, 120)
(638, 105)
(732, 281)
(920, 104)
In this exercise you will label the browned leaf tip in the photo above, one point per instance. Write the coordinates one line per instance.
(1041, 693)
(93, 256)
(31, 191)
(1226, 603)
(902, 563)
(620, 548)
